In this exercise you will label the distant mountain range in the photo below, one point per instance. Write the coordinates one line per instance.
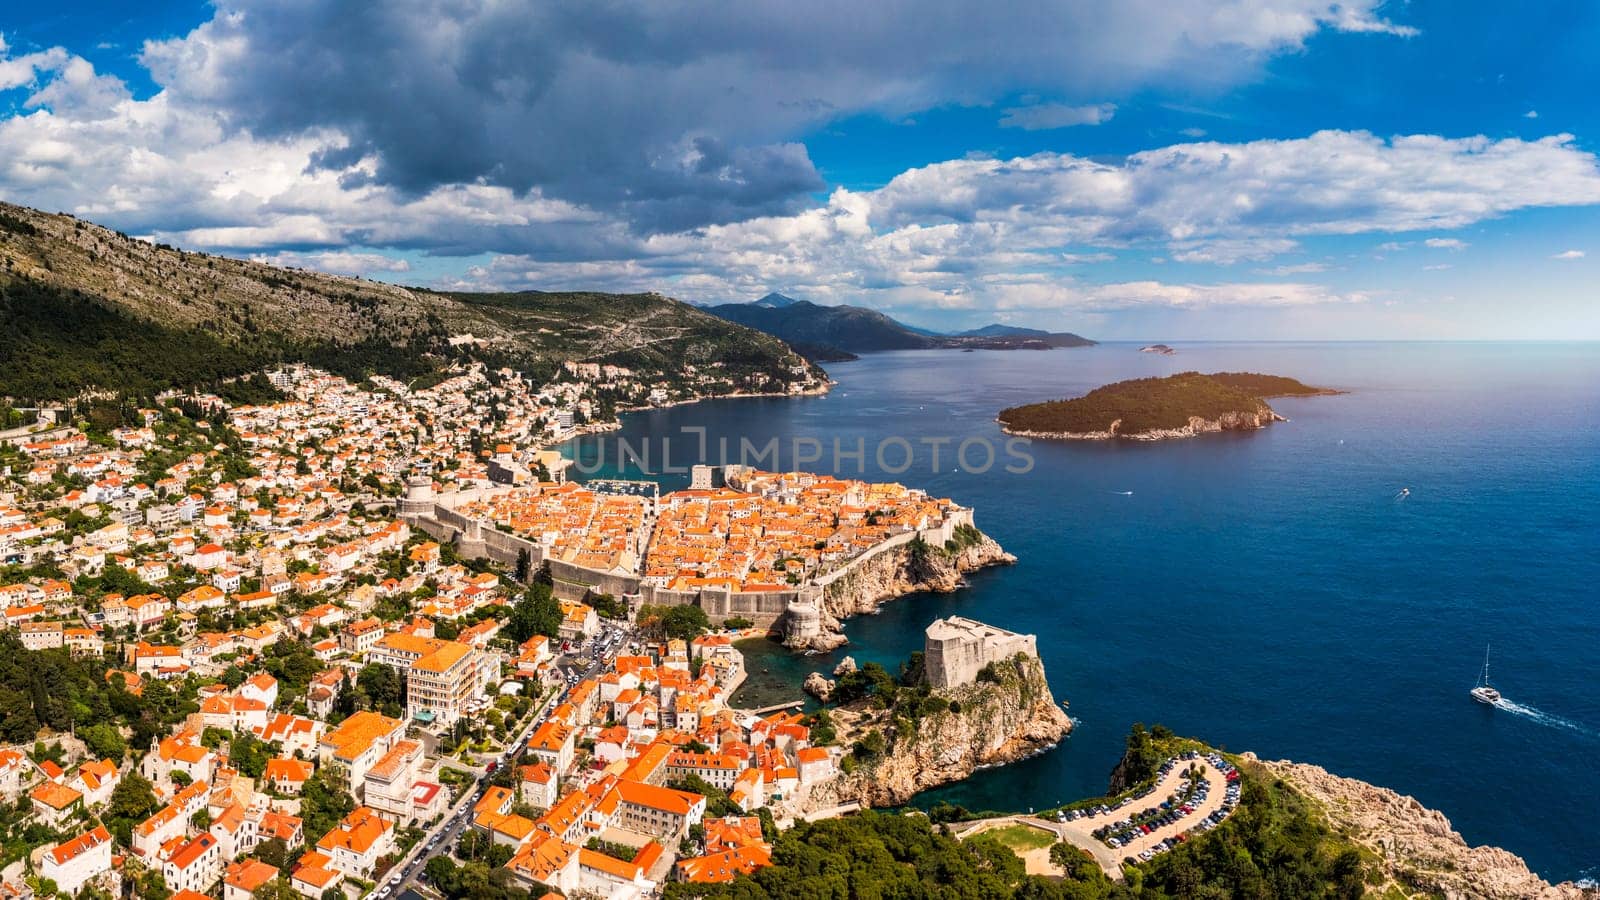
(832, 333)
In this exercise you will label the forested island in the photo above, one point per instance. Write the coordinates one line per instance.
(1148, 409)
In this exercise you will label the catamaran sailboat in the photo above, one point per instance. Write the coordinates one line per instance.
(1483, 693)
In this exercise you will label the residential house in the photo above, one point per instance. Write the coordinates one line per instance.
(356, 845)
(72, 864)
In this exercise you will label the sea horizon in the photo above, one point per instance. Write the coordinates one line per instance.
(1290, 541)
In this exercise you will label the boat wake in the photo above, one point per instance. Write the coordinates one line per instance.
(1543, 718)
(1123, 493)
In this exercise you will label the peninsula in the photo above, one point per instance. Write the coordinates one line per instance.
(1152, 409)
(975, 697)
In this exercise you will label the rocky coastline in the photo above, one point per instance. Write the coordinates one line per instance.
(1235, 421)
(1418, 848)
(891, 574)
(988, 723)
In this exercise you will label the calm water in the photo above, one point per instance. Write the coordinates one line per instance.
(1268, 591)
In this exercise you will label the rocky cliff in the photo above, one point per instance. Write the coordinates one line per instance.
(1418, 849)
(987, 723)
(894, 573)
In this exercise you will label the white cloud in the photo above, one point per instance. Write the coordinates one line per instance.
(1568, 254)
(1229, 251)
(1306, 268)
(1531, 114)
(1045, 116)
(337, 262)
(1446, 244)
(1192, 132)
(1437, 267)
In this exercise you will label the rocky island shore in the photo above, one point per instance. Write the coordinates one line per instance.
(1155, 409)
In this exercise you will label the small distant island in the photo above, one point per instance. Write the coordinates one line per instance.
(1162, 349)
(1153, 409)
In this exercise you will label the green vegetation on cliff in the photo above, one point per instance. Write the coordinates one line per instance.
(874, 855)
(1267, 386)
(1276, 846)
(1152, 404)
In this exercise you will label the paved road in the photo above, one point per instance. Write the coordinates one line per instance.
(442, 837)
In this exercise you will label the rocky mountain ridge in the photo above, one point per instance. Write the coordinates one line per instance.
(1419, 849)
(250, 314)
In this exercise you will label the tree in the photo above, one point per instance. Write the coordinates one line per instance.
(248, 754)
(276, 889)
(274, 852)
(150, 885)
(104, 741)
(132, 801)
(323, 803)
(537, 612)
(443, 874)
(685, 622)
(381, 686)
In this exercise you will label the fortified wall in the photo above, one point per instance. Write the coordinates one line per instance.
(438, 516)
(956, 649)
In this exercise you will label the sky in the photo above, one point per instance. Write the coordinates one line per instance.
(1125, 169)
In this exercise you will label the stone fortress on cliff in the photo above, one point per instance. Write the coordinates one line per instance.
(956, 649)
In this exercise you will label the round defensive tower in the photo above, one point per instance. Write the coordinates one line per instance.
(418, 499)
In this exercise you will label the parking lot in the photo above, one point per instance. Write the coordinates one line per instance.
(1192, 794)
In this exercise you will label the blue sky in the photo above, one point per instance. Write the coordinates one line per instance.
(1252, 169)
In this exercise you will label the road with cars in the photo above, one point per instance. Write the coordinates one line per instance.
(579, 662)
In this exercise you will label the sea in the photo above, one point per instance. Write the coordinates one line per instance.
(1322, 590)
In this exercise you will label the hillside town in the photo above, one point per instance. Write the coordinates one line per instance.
(230, 667)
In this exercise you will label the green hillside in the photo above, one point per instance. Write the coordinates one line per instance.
(86, 306)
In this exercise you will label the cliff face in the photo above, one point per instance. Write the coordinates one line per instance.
(904, 570)
(995, 723)
(1419, 849)
(1233, 421)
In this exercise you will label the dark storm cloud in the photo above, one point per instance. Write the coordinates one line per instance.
(671, 114)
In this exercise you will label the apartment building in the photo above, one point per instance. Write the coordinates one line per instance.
(358, 742)
(443, 678)
(662, 812)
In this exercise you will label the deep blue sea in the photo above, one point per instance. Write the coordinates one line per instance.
(1266, 591)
